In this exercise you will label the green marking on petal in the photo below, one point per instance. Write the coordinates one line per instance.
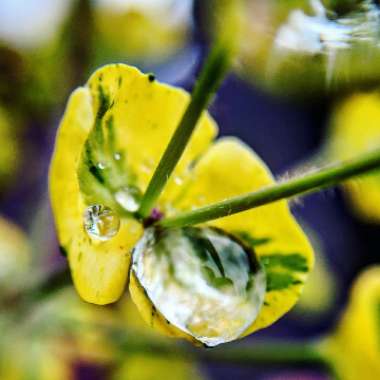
(250, 240)
(291, 261)
(103, 175)
(282, 270)
(280, 281)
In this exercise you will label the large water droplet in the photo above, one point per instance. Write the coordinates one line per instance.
(100, 222)
(202, 280)
(129, 198)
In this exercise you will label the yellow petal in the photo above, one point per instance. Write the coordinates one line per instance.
(354, 348)
(228, 169)
(355, 129)
(99, 269)
(144, 114)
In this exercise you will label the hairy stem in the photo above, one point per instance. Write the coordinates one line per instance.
(312, 182)
(212, 74)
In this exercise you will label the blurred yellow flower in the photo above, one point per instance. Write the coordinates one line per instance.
(319, 293)
(140, 29)
(355, 129)
(354, 348)
(110, 140)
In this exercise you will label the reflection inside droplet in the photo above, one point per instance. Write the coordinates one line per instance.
(201, 280)
(100, 222)
(128, 197)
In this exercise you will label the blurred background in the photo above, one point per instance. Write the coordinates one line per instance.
(305, 70)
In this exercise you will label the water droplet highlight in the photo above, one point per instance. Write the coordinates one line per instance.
(178, 180)
(129, 198)
(101, 165)
(202, 280)
(100, 222)
(117, 156)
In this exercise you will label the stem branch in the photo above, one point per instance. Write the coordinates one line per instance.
(212, 74)
(312, 182)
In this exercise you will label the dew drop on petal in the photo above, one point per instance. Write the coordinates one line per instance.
(178, 180)
(100, 222)
(128, 197)
(202, 280)
(101, 165)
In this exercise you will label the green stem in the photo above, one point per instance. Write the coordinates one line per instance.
(268, 353)
(312, 182)
(212, 74)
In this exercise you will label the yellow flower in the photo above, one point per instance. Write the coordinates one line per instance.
(354, 348)
(111, 138)
(319, 293)
(355, 129)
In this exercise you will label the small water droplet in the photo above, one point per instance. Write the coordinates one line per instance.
(128, 197)
(101, 165)
(178, 180)
(117, 156)
(100, 222)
